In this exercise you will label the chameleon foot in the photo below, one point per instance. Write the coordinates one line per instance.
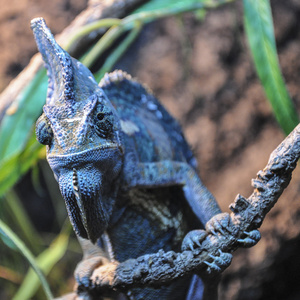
(219, 263)
(104, 275)
(86, 267)
(252, 238)
(193, 239)
(219, 223)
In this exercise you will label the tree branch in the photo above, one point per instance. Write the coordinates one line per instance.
(247, 214)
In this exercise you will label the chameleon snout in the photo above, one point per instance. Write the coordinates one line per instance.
(86, 188)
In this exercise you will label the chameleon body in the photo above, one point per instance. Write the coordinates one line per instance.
(126, 173)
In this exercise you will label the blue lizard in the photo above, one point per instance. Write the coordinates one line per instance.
(126, 173)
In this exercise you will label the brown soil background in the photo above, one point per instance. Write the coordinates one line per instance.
(203, 73)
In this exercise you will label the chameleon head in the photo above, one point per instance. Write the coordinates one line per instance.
(80, 127)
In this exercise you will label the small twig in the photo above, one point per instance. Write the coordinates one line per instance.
(17, 244)
(248, 214)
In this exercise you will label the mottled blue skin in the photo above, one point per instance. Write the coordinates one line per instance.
(135, 104)
(122, 164)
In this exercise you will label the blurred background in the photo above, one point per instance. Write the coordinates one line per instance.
(201, 69)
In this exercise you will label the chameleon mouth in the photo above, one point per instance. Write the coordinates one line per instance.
(80, 202)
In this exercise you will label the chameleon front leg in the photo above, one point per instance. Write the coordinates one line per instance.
(199, 198)
(201, 201)
(98, 265)
(93, 257)
(94, 260)
(171, 173)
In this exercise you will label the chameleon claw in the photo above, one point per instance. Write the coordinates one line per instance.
(212, 267)
(191, 245)
(226, 257)
(213, 232)
(254, 234)
(219, 263)
(197, 243)
(193, 239)
(222, 231)
(219, 224)
(252, 238)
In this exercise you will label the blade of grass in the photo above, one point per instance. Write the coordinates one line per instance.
(104, 43)
(118, 52)
(104, 23)
(171, 5)
(7, 234)
(16, 125)
(15, 208)
(155, 10)
(10, 275)
(16, 165)
(260, 34)
(46, 260)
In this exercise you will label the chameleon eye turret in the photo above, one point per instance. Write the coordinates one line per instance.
(104, 121)
(44, 133)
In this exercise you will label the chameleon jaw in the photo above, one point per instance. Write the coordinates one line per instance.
(85, 180)
(88, 204)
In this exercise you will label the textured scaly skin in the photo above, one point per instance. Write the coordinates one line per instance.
(123, 166)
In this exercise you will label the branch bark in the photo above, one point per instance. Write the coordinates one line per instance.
(247, 214)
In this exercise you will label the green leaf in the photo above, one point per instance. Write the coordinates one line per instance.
(16, 125)
(17, 164)
(180, 5)
(16, 243)
(260, 34)
(13, 206)
(46, 260)
(146, 13)
(118, 52)
(18, 146)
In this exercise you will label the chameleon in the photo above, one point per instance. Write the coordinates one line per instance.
(126, 173)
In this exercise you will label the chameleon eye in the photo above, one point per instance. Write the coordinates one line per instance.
(43, 130)
(100, 116)
(104, 121)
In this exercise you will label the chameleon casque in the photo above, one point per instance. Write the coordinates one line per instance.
(124, 169)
